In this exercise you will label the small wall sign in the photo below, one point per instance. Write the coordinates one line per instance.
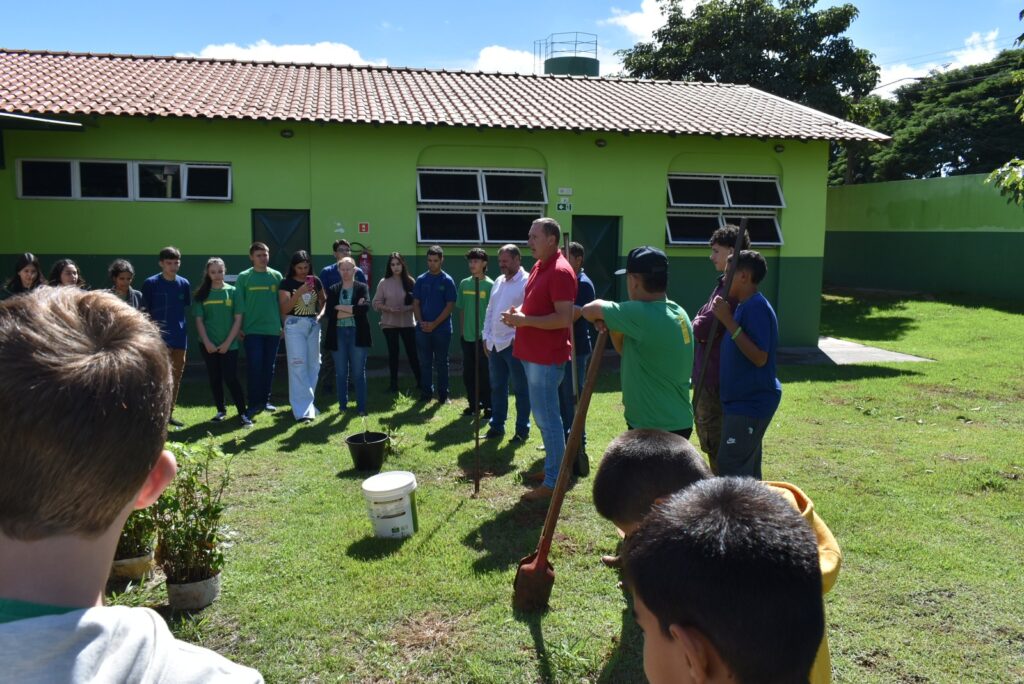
(364, 227)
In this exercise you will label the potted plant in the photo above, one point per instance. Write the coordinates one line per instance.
(133, 559)
(188, 517)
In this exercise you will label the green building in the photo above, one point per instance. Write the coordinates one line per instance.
(209, 155)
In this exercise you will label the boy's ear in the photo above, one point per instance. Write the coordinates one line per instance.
(159, 477)
(700, 656)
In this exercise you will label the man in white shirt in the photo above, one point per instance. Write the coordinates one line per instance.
(506, 293)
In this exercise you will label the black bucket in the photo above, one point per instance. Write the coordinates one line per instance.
(367, 449)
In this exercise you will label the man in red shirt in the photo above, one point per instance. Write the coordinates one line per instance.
(542, 342)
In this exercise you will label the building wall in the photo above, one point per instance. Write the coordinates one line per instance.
(939, 235)
(349, 174)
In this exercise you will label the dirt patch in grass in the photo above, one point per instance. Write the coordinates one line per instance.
(428, 632)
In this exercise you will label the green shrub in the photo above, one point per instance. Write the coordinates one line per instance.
(137, 535)
(189, 513)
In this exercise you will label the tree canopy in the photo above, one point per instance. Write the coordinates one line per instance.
(956, 122)
(783, 47)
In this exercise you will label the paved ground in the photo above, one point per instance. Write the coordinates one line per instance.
(833, 352)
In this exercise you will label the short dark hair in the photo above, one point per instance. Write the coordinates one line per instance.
(476, 253)
(726, 236)
(655, 283)
(640, 466)
(550, 226)
(435, 250)
(511, 249)
(170, 252)
(101, 397)
(340, 242)
(733, 560)
(576, 250)
(258, 247)
(119, 266)
(754, 263)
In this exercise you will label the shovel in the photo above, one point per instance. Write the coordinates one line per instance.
(535, 575)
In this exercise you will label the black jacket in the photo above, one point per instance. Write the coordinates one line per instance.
(360, 307)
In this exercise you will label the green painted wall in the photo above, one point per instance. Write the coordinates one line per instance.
(348, 174)
(938, 235)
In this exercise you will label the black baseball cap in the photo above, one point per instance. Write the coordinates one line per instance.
(645, 259)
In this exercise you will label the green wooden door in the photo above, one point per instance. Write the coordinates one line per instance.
(285, 231)
(599, 236)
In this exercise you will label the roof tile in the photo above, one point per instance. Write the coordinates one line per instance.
(41, 82)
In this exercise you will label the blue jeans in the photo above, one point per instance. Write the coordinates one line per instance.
(302, 345)
(543, 381)
(504, 370)
(260, 360)
(432, 351)
(566, 401)
(349, 356)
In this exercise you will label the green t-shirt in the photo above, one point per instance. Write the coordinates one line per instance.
(345, 298)
(218, 314)
(256, 300)
(464, 302)
(657, 358)
(12, 610)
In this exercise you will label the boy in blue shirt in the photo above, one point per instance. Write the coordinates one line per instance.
(167, 296)
(749, 390)
(434, 296)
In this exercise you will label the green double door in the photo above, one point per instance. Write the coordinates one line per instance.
(284, 231)
(600, 236)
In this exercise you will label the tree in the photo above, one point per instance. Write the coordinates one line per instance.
(956, 122)
(1009, 178)
(784, 48)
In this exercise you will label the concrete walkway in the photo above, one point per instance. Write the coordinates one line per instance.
(833, 352)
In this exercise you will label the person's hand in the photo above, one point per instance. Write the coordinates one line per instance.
(210, 347)
(223, 349)
(600, 325)
(303, 289)
(513, 318)
(427, 326)
(721, 309)
(487, 352)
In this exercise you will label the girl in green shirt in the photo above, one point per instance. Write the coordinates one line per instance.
(218, 327)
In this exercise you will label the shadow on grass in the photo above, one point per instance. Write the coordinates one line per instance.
(374, 548)
(495, 460)
(839, 373)
(533, 621)
(857, 318)
(626, 663)
(507, 537)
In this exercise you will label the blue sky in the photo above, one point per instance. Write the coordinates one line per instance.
(909, 37)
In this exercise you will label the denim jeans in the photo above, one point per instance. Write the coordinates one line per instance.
(349, 356)
(302, 345)
(566, 399)
(506, 370)
(260, 360)
(543, 381)
(432, 350)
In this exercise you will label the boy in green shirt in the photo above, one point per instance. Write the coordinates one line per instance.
(656, 347)
(256, 300)
(474, 357)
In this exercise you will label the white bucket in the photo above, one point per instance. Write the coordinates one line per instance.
(391, 501)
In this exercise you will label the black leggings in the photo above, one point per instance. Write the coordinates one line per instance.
(222, 369)
(408, 336)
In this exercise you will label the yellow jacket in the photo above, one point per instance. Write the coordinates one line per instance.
(830, 558)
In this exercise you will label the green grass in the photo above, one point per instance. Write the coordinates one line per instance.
(917, 468)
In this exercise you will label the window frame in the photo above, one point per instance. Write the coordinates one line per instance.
(482, 207)
(756, 179)
(695, 176)
(675, 209)
(20, 179)
(77, 180)
(188, 166)
(720, 215)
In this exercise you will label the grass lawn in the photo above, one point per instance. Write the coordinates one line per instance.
(917, 468)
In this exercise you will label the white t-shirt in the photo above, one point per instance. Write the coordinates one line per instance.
(109, 644)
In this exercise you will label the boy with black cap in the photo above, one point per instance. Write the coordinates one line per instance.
(657, 345)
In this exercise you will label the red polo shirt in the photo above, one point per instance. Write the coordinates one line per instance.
(550, 281)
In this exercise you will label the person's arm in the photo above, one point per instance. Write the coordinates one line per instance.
(744, 343)
(209, 346)
(235, 328)
(321, 297)
(562, 317)
(445, 313)
(378, 297)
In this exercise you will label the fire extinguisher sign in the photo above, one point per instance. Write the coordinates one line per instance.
(364, 227)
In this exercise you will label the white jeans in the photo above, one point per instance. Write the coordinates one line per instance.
(302, 343)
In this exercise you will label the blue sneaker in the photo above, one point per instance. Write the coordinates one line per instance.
(246, 421)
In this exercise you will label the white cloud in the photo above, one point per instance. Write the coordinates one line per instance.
(641, 25)
(324, 52)
(977, 49)
(507, 60)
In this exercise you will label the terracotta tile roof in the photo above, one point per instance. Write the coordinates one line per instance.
(34, 82)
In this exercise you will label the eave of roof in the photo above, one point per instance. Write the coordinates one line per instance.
(39, 82)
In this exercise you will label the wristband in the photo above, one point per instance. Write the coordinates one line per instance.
(739, 329)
